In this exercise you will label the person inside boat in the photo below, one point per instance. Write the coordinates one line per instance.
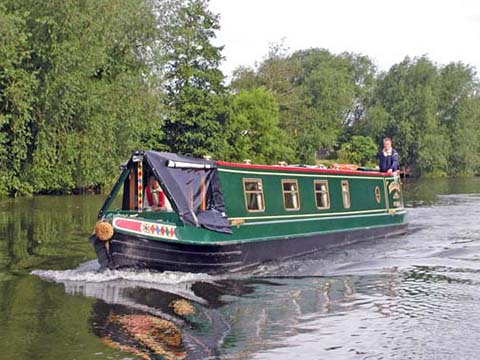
(388, 157)
(154, 195)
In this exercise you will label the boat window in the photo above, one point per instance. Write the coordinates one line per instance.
(345, 194)
(322, 196)
(254, 194)
(291, 199)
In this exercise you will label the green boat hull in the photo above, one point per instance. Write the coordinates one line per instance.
(126, 250)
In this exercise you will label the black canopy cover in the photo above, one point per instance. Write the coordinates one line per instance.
(185, 179)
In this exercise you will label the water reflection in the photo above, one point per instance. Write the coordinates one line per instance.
(155, 319)
(217, 317)
(421, 192)
(141, 334)
(380, 313)
(414, 296)
(45, 232)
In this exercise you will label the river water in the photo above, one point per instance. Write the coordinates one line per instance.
(410, 297)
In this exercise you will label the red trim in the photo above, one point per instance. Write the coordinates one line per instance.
(133, 225)
(300, 169)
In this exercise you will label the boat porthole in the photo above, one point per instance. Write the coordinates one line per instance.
(378, 194)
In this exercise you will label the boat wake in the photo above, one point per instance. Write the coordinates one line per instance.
(111, 285)
(90, 272)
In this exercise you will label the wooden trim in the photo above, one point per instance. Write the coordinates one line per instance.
(203, 204)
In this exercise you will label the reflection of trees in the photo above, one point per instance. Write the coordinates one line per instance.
(426, 191)
(46, 232)
(38, 321)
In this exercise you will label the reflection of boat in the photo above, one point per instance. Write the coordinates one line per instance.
(228, 216)
(149, 322)
(142, 334)
(138, 311)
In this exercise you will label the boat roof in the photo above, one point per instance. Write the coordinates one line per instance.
(301, 169)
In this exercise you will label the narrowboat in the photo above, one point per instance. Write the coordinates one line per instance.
(224, 217)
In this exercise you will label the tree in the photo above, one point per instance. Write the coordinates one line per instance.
(319, 94)
(464, 158)
(361, 150)
(16, 98)
(405, 107)
(363, 74)
(252, 129)
(195, 107)
(458, 113)
(95, 92)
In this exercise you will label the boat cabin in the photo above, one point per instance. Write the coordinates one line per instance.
(215, 195)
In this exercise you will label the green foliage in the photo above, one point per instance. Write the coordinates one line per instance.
(360, 150)
(325, 100)
(464, 159)
(17, 86)
(319, 94)
(459, 113)
(85, 82)
(195, 107)
(423, 107)
(89, 93)
(252, 129)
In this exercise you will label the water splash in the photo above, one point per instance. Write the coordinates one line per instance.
(90, 272)
(116, 286)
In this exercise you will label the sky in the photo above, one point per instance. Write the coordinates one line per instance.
(385, 30)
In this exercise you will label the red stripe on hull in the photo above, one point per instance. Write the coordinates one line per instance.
(131, 225)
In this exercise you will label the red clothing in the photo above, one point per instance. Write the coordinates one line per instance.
(151, 202)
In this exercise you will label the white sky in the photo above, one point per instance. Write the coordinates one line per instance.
(384, 30)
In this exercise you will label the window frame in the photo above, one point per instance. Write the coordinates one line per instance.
(297, 192)
(345, 205)
(315, 191)
(246, 192)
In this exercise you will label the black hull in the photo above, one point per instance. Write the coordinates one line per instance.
(134, 252)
